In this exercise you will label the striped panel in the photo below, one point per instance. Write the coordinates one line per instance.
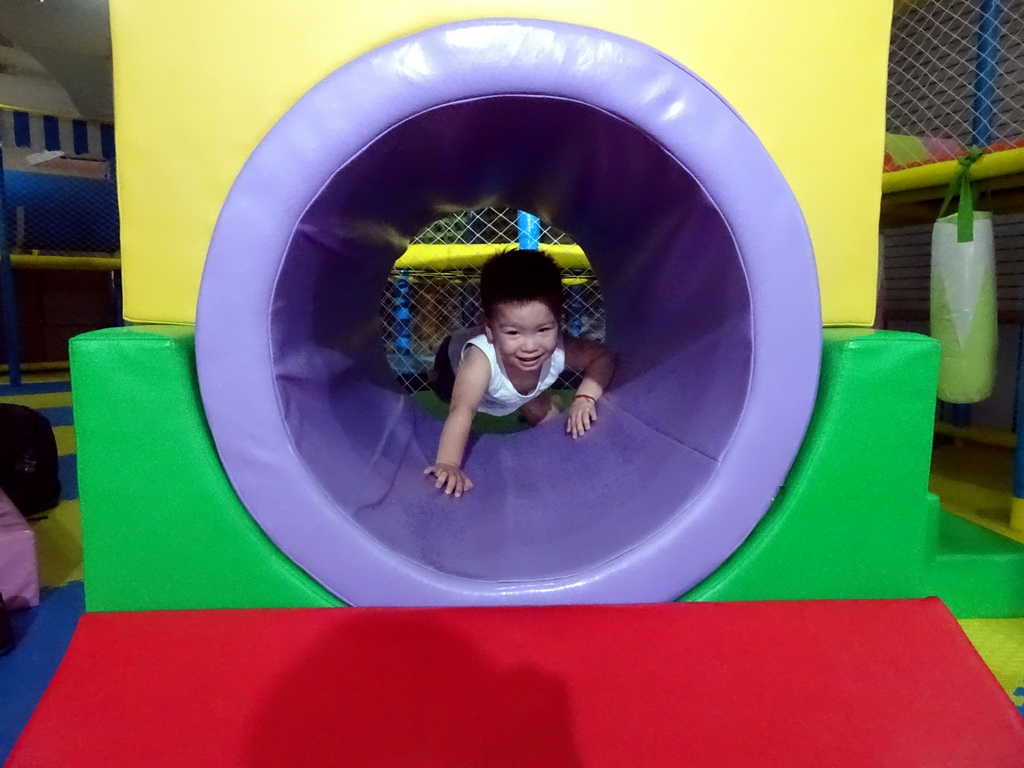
(83, 139)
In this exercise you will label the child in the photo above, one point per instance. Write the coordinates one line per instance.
(511, 362)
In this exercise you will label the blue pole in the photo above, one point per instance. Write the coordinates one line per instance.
(1017, 502)
(529, 231)
(986, 73)
(403, 315)
(960, 414)
(983, 134)
(983, 122)
(1019, 421)
(12, 331)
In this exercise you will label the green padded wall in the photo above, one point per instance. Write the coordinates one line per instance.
(164, 529)
(161, 525)
(854, 516)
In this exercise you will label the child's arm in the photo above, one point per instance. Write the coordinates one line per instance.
(470, 384)
(596, 363)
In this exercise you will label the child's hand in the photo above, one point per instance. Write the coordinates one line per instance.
(582, 413)
(454, 480)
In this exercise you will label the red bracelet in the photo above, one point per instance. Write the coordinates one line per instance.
(588, 397)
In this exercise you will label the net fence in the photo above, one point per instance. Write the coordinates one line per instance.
(434, 288)
(956, 79)
(62, 227)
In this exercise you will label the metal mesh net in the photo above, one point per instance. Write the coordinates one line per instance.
(60, 211)
(956, 78)
(434, 289)
(60, 195)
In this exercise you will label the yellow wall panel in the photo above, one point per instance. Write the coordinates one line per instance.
(197, 84)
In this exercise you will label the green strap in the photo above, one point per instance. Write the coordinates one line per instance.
(961, 184)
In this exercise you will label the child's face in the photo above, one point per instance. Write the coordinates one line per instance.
(525, 334)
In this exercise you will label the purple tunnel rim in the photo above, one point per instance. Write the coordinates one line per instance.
(452, 63)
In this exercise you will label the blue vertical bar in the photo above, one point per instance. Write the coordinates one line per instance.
(80, 136)
(403, 314)
(51, 132)
(986, 73)
(1017, 501)
(983, 134)
(960, 414)
(983, 122)
(12, 331)
(529, 231)
(107, 141)
(22, 129)
(1018, 419)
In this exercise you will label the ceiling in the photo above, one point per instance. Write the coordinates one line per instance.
(71, 40)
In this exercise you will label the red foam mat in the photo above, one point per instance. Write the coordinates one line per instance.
(858, 684)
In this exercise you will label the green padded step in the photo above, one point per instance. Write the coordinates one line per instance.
(853, 517)
(164, 529)
(161, 525)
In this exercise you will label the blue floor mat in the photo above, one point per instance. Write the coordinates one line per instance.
(61, 416)
(42, 635)
(40, 388)
(67, 469)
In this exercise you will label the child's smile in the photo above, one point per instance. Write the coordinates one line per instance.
(525, 335)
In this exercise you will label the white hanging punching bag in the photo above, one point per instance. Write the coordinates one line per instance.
(963, 309)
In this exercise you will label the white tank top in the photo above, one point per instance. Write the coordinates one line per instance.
(501, 398)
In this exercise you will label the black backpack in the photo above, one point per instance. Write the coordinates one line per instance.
(28, 460)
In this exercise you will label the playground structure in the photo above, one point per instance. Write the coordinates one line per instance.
(707, 305)
(430, 289)
(59, 232)
(955, 83)
(761, 441)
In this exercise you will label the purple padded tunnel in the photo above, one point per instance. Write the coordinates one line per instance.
(711, 304)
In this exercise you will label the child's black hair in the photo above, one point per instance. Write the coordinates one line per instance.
(519, 276)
